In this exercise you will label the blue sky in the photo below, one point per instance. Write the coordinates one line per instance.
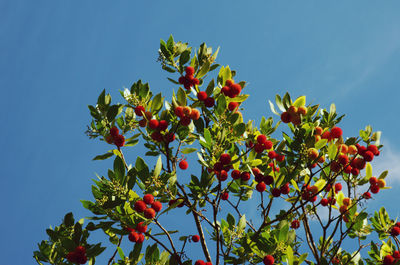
(57, 56)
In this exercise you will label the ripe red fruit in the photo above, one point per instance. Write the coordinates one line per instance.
(209, 102)
(235, 174)
(367, 195)
(225, 159)
(218, 166)
(170, 137)
(335, 260)
(324, 201)
(285, 189)
(143, 123)
(368, 156)
(202, 95)
(374, 189)
(157, 206)
(224, 196)
(133, 236)
(268, 179)
(156, 136)
(396, 255)
(140, 239)
(276, 192)
(268, 145)
(208, 263)
(373, 149)
(183, 165)
(261, 187)
(139, 110)
(395, 231)
(162, 125)
(148, 199)
(388, 259)
(185, 121)
(335, 166)
(222, 175)
(225, 90)
(189, 70)
(326, 135)
(114, 131)
(261, 139)
(235, 90)
(280, 158)
(232, 106)
(245, 176)
(272, 154)
(195, 238)
(119, 140)
(179, 112)
(355, 171)
(199, 262)
(336, 132)
(140, 206)
(229, 82)
(149, 213)
(295, 224)
(268, 260)
(338, 187)
(343, 159)
(259, 148)
(373, 181)
(397, 224)
(182, 80)
(347, 169)
(141, 227)
(153, 124)
(286, 117)
(194, 114)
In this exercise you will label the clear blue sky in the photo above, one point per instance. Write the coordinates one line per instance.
(56, 57)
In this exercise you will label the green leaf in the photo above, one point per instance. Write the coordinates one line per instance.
(368, 171)
(119, 168)
(332, 151)
(188, 150)
(242, 223)
(134, 255)
(203, 70)
(300, 101)
(69, 219)
(221, 104)
(184, 58)
(283, 232)
(103, 156)
(181, 97)
(158, 167)
(231, 220)
(207, 136)
(289, 255)
(321, 143)
(278, 101)
(383, 174)
(113, 111)
(239, 129)
(157, 103)
(272, 107)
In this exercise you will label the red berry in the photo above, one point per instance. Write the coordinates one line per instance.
(335, 260)
(233, 106)
(162, 125)
(209, 102)
(199, 262)
(295, 224)
(396, 254)
(170, 137)
(260, 187)
(259, 148)
(336, 132)
(195, 238)
(347, 169)
(81, 250)
(143, 123)
(156, 136)
(268, 145)
(235, 89)
(338, 187)
(148, 199)
(195, 81)
(268, 260)
(285, 117)
(157, 206)
(367, 195)
(373, 149)
(218, 166)
(140, 239)
(285, 189)
(182, 80)
(225, 90)
(139, 110)
(183, 165)
(268, 179)
(149, 213)
(388, 259)
(202, 95)
(343, 159)
(397, 224)
(179, 112)
(185, 121)
(261, 139)
(355, 171)
(119, 140)
(324, 201)
(114, 131)
(374, 189)
(225, 159)
(224, 196)
(276, 192)
(189, 70)
(133, 236)
(208, 263)
(335, 166)
(395, 231)
(153, 124)
(245, 176)
(222, 175)
(326, 135)
(373, 181)
(141, 227)
(235, 174)
(280, 158)
(229, 82)
(140, 206)
(194, 114)
(368, 156)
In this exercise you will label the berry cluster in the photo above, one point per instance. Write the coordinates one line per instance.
(78, 255)
(395, 231)
(231, 89)
(149, 212)
(136, 235)
(293, 114)
(115, 138)
(391, 259)
(209, 102)
(186, 114)
(188, 80)
(295, 224)
(376, 184)
(222, 167)
(262, 144)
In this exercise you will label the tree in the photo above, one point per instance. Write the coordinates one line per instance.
(313, 169)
